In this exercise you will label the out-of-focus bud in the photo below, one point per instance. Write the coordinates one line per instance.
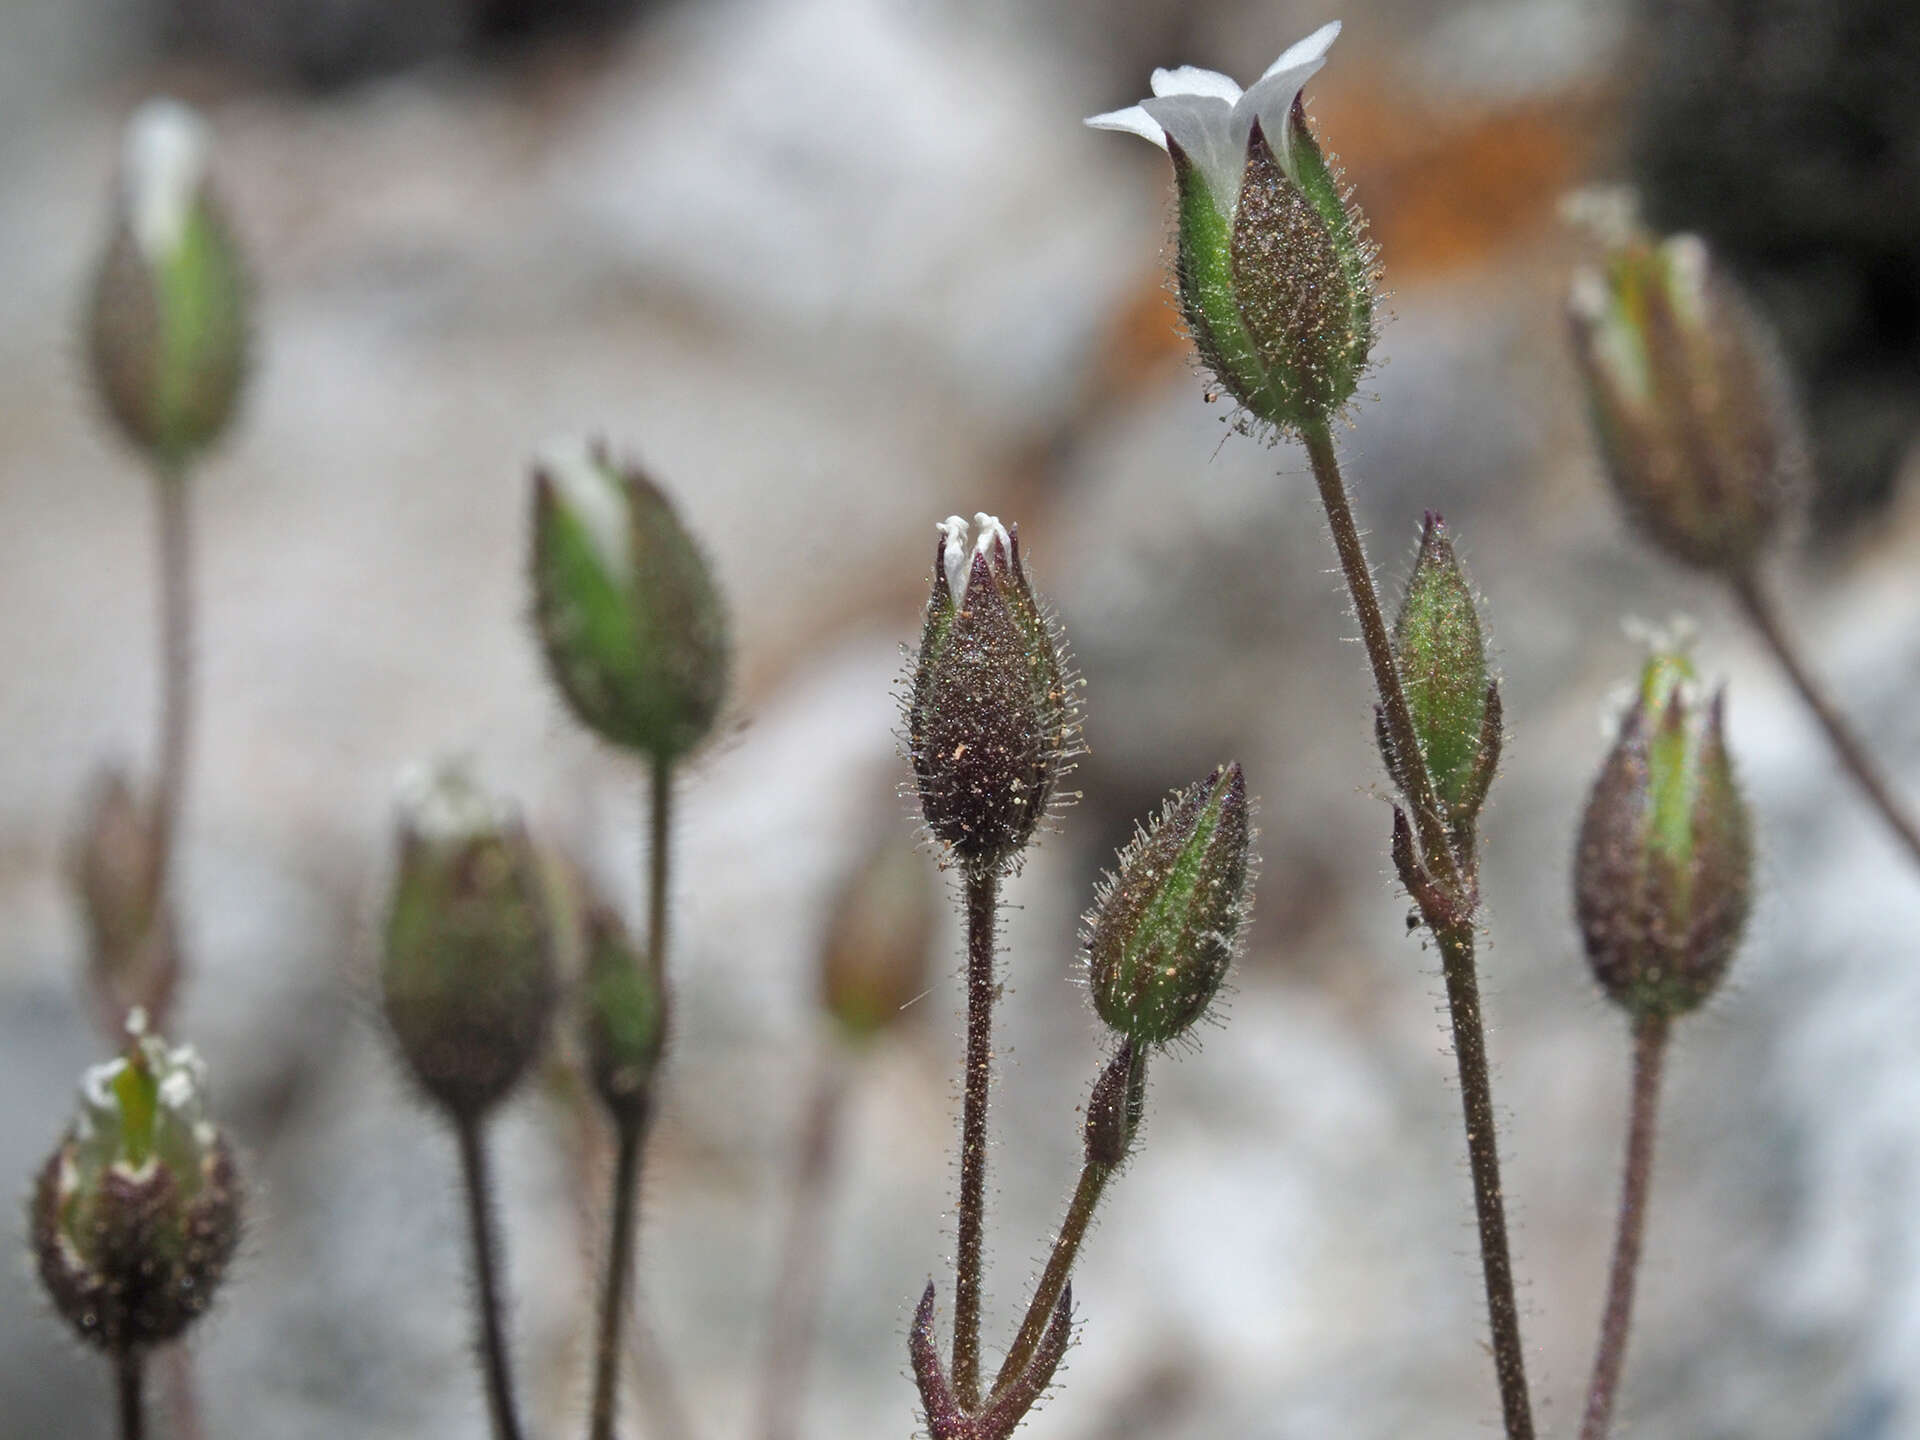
(136, 1214)
(990, 714)
(134, 957)
(1663, 871)
(1442, 655)
(626, 1017)
(468, 976)
(168, 321)
(1114, 1109)
(1696, 420)
(879, 941)
(1167, 921)
(1276, 274)
(631, 620)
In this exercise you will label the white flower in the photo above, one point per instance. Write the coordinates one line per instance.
(993, 542)
(1211, 119)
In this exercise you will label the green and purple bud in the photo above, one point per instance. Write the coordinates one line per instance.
(467, 980)
(1663, 873)
(1115, 1106)
(625, 1021)
(990, 715)
(1275, 271)
(167, 320)
(1696, 421)
(1168, 920)
(1441, 652)
(136, 1215)
(878, 949)
(631, 620)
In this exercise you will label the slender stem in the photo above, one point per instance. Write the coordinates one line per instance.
(1053, 1279)
(613, 1294)
(183, 1399)
(1649, 1054)
(1765, 615)
(983, 903)
(1483, 1160)
(493, 1344)
(128, 1365)
(796, 1296)
(175, 559)
(1436, 850)
(659, 852)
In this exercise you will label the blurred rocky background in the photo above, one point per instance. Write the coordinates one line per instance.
(835, 269)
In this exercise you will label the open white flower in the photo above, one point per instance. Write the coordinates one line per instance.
(1210, 118)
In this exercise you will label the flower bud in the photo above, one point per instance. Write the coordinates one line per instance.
(168, 319)
(633, 626)
(468, 976)
(879, 941)
(136, 1214)
(990, 718)
(1114, 1109)
(1442, 657)
(133, 953)
(626, 1017)
(1690, 401)
(1276, 274)
(1663, 871)
(1167, 921)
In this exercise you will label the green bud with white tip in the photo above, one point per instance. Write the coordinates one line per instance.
(631, 620)
(625, 1003)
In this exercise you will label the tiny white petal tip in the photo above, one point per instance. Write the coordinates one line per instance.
(1133, 121)
(164, 165)
(593, 493)
(442, 804)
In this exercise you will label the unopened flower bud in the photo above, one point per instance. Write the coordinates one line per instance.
(468, 976)
(626, 1017)
(879, 941)
(990, 716)
(1276, 274)
(631, 620)
(1114, 1109)
(133, 953)
(1696, 421)
(1168, 920)
(1663, 871)
(168, 319)
(1441, 653)
(137, 1213)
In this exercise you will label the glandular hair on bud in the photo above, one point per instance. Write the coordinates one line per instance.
(167, 322)
(878, 947)
(1168, 920)
(625, 1003)
(991, 721)
(1441, 653)
(1664, 866)
(136, 1215)
(1697, 423)
(467, 979)
(629, 615)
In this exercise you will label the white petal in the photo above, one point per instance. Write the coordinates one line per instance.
(1202, 125)
(993, 541)
(1192, 80)
(953, 552)
(595, 497)
(163, 167)
(1310, 51)
(1272, 96)
(1134, 121)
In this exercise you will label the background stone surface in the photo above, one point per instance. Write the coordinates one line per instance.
(835, 269)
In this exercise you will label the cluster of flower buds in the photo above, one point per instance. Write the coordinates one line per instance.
(1441, 653)
(631, 620)
(991, 719)
(1664, 866)
(879, 942)
(1690, 400)
(136, 1214)
(625, 1017)
(1275, 271)
(168, 322)
(1168, 920)
(133, 952)
(467, 980)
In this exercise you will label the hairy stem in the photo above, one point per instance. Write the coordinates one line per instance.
(1428, 818)
(495, 1367)
(128, 1367)
(1059, 1268)
(1649, 1055)
(174, 559)
(1761, 610)
(796, 1296)
(983, 904)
